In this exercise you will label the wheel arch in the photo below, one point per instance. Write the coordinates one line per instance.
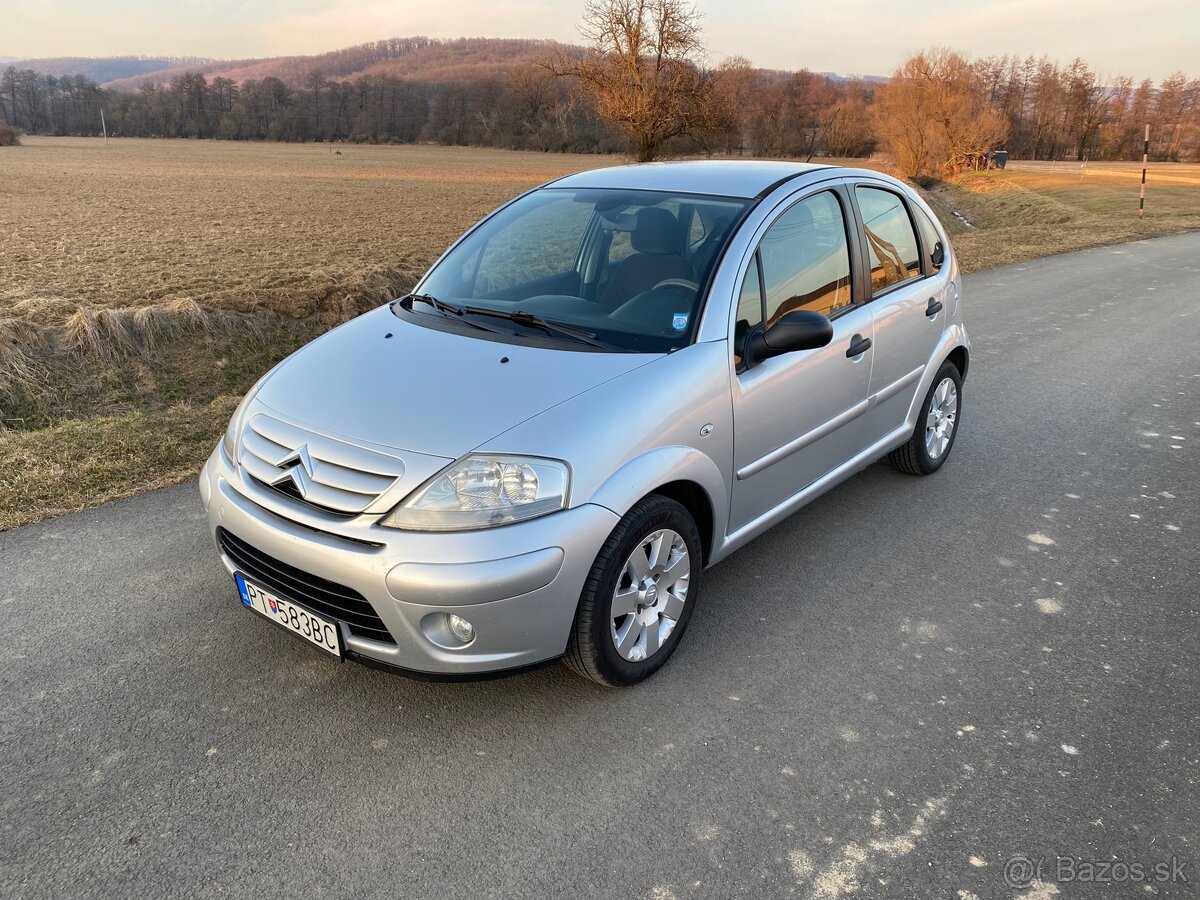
(961, 357)
(692, 497)
(683, 474)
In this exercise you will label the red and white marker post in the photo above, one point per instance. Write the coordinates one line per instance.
(1145, 159)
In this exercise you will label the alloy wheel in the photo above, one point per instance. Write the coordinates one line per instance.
(939, 423)
(650, 595)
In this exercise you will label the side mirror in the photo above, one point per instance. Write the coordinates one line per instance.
(800, 329)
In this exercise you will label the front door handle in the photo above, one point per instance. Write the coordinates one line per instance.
(934, 307)
(858, 346)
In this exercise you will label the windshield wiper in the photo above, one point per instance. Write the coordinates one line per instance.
(446, 309)
(440, 305)
(529, 320)
(532, 321)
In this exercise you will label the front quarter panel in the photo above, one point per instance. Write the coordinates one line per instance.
(640, 431)
(661, 466)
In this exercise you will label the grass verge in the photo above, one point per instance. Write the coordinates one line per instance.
(78, 464)
(1034, 210)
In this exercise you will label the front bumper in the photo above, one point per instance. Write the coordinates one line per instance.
(518, 585)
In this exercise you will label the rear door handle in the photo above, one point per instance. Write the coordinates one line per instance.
(934, 307)
(858, 346)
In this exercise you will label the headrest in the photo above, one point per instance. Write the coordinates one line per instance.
(656, 231)
(800, 217)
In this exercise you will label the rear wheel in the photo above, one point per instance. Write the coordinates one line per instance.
(639, 595)
(937, 426)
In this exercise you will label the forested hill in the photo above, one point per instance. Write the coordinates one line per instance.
(412, 57)
(105, 69)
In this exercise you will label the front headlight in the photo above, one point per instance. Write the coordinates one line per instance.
(230, 441)
(483, 491)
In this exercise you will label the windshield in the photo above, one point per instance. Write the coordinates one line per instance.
(627, 267)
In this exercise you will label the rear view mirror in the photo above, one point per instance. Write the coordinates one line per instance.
(620, 221)
(800, 329)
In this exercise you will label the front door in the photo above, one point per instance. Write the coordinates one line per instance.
(797, 416)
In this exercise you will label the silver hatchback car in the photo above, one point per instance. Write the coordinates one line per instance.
(603, 388)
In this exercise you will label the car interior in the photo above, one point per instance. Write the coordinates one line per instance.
(637, 270)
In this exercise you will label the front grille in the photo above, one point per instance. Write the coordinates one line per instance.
(285, 487)
(291, 489)
(319, 470)
(321, 596)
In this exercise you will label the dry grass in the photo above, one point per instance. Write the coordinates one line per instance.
(110, 332)
(286, 227)
(16, 366)
(83, 463)
(62, 359)
(145, 285)
(1038, 209)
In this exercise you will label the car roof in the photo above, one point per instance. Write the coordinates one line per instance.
(720, 177)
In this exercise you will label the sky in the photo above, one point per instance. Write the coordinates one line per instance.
(1141, 38)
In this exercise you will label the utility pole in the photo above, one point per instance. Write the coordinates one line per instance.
(103, 127)
(1145, 159)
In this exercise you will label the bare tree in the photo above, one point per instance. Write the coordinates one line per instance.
(1178, 101)
(643, 71)
(737, 80)
(314, 82)
(934, 116)
(534, 90)
(849, 132)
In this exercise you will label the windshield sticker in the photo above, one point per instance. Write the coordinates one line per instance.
(679, 321)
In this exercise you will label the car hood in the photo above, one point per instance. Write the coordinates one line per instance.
(381, 380)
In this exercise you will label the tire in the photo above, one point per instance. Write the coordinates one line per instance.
(592, 650)
(924, 455)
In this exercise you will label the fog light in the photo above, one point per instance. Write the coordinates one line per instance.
(461, 628)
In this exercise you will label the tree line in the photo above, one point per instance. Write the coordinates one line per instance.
(939, 112)
(526, 108)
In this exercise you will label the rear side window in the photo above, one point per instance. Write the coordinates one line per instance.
(892, 248)
(935, 253)
(805, 259)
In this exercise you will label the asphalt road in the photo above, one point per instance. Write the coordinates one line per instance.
(897, 690)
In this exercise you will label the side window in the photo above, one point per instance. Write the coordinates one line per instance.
(621, 247)
(935, 253)
(540, 244)
(696, 232)
(805, 259)
(891, 241)
(749, 311)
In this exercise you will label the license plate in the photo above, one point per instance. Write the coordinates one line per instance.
(317, 630)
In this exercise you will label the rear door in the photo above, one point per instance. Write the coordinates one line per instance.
(796, 416)
(907, 299)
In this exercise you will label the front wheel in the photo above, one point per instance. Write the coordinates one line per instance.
(639, 595)
(937, 426)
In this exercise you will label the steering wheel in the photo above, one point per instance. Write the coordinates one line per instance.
(654, 311)
(677, 282)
